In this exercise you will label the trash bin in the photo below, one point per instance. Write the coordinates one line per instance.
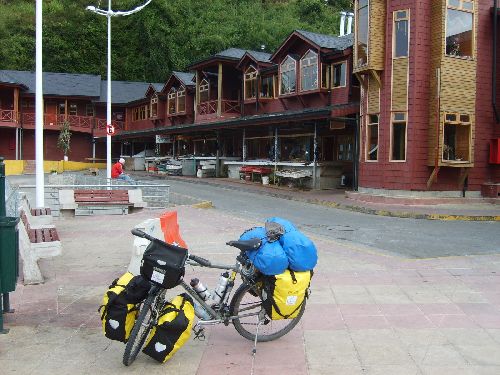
(9, 254)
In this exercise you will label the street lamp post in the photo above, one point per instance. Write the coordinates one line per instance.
(110, 13)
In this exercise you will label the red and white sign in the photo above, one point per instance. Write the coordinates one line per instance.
(110, 129)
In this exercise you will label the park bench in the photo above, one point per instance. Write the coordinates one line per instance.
(36, 216)
(96, 201)
(36, 242)
(248, 173)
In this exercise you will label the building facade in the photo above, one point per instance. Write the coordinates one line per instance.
(429, 121)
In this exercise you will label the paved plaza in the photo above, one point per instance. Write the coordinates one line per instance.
(369, 313)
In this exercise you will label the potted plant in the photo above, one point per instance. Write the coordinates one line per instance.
(63, 142)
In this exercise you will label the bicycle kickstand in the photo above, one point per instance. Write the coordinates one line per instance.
(254, 350)
(199, 332)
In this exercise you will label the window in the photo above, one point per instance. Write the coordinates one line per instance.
(362, 34)
(204, 91)
(142, 112)
(296, 148)
(325, 76)
(401, 33)
(398, 140)
(459, 23)
(372, 138)
(250, 83)
(73, 109)
(171, 101)
(339, 74)
(456, 137)
(89, 110)
(309, 71)
(135, 114)
(61, 109)
(288, 76)
(267, 87)
(181, 99)
(345, 147)
(154, 105)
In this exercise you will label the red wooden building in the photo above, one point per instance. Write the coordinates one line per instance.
(429, 117)
(294, 109)
(79, 99)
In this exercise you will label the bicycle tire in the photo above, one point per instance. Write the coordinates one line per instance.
(139, 332)
(246, 292)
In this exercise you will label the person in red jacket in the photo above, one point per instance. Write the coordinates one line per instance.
(117, 172)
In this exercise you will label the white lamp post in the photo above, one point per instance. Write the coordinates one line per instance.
(40, 188)
(110, 13)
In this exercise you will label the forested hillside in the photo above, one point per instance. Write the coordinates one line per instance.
(167, 35)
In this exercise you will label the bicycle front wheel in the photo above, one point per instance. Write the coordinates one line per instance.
(139, 332)
(247, 305)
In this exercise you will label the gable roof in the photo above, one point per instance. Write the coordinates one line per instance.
(56, 84)
(334, 43)
(234, 54)
(123, 92)
(185, 78)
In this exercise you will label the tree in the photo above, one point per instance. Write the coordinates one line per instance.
(63, 142)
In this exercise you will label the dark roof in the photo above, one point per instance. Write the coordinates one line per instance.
(58, 84)
(237, 53)
(123, 92)
(185, 78)
(328, 41)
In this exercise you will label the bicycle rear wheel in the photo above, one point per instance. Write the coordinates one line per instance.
(247, 301)
(139, 332)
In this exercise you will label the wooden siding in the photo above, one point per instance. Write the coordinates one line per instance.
(376, 37)
(458, 85)
(399, 85)
(373, 96)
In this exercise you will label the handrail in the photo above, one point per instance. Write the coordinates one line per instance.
(94, 185)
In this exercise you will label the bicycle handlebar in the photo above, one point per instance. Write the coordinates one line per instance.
(202, 261)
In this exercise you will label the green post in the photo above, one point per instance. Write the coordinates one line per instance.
(2, 330)
(2, 188)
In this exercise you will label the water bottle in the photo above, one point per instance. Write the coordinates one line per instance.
(221, 288)
(203, 292)
(200, 289)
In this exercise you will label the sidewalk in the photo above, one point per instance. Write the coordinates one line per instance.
(368, 314)
(471, 209)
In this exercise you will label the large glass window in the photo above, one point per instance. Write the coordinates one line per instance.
(372, 138)
(362, 34)
(288, 76)
(171, 101)
(267, 87)
(61, 108)
(181, 99)
(459, 28)
(339, 74)
(204, 91)
(398, 136)
(401, 33)
(309, 71)
(456, 137)
(154, 105)
(251, 83)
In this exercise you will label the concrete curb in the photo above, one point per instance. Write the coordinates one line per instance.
(348, 207)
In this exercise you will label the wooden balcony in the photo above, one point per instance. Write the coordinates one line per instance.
(100, 127)
(52, 122)
(208, 110)
(8, 118)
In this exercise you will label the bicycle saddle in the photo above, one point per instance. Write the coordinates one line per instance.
(245, 245)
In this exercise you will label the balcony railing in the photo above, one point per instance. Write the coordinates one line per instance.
(210, 107)
(8, 116)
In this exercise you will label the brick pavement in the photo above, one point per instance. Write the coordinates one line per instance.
(369, 313)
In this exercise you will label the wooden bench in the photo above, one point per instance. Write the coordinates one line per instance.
(95, 201)
(248, 172)
(36, 216)
(40, 211)
(36, 242)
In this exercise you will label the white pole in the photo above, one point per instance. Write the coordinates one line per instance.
(40, 191)
(342, 23)
(349, 23)
(17, 144)
(108, 105)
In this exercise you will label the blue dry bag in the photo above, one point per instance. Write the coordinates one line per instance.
(300, 250)
(269, 258)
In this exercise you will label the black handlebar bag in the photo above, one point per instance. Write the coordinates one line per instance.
(163, 264)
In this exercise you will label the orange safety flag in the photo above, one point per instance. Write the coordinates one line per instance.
(170, 229)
